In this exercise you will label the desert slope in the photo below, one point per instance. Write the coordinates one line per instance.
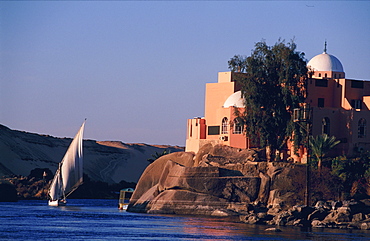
(108, 161)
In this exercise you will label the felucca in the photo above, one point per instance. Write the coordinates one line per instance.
(69, 175)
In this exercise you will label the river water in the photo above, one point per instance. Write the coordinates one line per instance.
(101, 220)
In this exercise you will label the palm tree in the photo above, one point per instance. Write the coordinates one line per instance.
(321, 145)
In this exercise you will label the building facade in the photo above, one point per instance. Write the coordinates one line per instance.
(340, 107)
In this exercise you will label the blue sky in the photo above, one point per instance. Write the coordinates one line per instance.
(137, 69)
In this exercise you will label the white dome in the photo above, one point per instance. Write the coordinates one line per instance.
(234, 100)
(325, 62)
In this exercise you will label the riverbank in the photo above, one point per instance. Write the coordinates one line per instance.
(227, 182)
(325, 214)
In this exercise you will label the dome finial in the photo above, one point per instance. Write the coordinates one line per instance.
(325, 47)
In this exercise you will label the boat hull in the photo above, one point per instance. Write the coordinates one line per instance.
(122, 206)
(56, 203)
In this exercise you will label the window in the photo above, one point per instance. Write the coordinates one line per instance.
(357, 84)
(213, 130)
(326, 126)
(225, 125)
(319, 74)
(320, 102)
(356, 104)
(362, 128)
(326, 75)
(238, 126)
(321, 82)
(335, 76)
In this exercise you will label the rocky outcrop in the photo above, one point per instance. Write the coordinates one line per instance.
(348, 215)
(224, 181)
(219, 181)
(25, 187)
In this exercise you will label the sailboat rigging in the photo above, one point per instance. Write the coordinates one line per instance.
(69, 175)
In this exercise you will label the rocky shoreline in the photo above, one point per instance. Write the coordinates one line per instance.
(227, 182)
(16, 188)
(36, 186)
(325, 214)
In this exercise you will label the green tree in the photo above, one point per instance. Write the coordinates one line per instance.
(237, 63)
(158, 155)
(321, 145)
(273, 85)
(354, 173)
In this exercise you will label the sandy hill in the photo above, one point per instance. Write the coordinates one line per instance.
(108, 161)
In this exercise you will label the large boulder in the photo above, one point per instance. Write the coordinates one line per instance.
(218, 180)
(287, 184)
(211, 183)
(188, 202)
(154, 171)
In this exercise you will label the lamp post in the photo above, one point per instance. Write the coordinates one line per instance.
(303, 115)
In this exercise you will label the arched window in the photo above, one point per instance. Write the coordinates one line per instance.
(238, 126)
(225, 126)
(362, 128)
(326, 126)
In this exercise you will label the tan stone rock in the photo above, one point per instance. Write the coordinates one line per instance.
(215, 181)
(186, 202)
(358, 217)
(365, 226)
(289, 180)
(141, 205)
(220, 213)
(273, 230)
(317, 224)
(264, 189)
(205, 149)
(218, 180)
(153, 172)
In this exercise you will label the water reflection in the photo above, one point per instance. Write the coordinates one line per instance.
(219, 228)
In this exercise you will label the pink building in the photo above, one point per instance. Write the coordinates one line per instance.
(340, 108)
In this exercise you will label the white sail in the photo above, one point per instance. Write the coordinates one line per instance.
(56, 187)
(70, 172)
